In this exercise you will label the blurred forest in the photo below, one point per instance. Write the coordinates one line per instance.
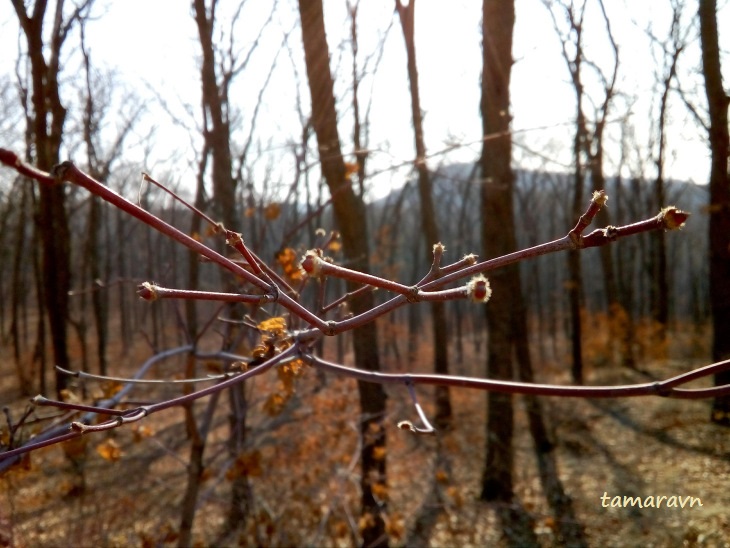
(284, 138)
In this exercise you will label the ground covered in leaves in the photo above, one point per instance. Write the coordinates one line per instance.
(125, 488)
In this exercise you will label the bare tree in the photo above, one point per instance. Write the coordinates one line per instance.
(719, 140)
(100, 159)
(574, 15)
(588, 149)
(429, 223)
(671, 48)
(48, 119)
(349, 212)
(498, 238)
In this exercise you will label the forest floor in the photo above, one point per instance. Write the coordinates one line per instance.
(124, 488)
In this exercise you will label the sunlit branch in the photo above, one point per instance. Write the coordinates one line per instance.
(126, 380)
(152, 292)
(255, 271)
(347, 297)
(666, 388)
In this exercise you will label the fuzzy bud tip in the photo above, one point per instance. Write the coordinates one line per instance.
(147, 291)
(673, 218)
(478, 289)
(233, 238)
(599, 198)
(311, 263)
(439, 248)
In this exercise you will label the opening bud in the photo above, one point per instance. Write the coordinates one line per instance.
(312, 263)
(478, 289)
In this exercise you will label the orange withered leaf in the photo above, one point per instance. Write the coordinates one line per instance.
(275, 325)
(380, 490)
(274, 404)
(272, 211)
(246, 465)
(111, 388)
(350, 169)
(442, 476)
(142, 431)
(289, 262)
(109, 450)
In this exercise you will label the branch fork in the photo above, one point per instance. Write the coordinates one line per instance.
(299, 343)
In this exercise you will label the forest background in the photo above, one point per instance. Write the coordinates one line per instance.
(216, 102)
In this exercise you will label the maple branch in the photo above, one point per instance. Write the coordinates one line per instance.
(299, 344)
(129, 380)
(666, 388)
(152, 292)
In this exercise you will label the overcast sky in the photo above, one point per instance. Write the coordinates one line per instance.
(152, 46)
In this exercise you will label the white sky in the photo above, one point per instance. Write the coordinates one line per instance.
(152, 44)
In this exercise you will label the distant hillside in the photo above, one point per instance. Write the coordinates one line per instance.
(542, 210)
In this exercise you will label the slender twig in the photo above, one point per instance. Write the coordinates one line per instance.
(126, 380)
(152, 292)
(666, 388)
(258, 274)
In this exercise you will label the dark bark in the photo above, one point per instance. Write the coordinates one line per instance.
(719, 208)
(19, 297)
(92, 254)
(660, 281)
(47, 130)
(217, 130)
(575, 283)
(498, 237)
(429, 224)
(217, 145)
(349, 212)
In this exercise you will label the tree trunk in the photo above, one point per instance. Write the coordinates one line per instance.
(47, 129)
(429, 224)
(19, 297)
(498, 237)
(575, 282)
(719, 208)
(217, 143)
(349, 212)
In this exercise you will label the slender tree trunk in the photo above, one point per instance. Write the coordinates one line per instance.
(218, 143)
(660, 283)
(498, 237)
(349, 212)
(429, 223)
(575, 283)
(47, 129)
(719, 208)
(19, 298)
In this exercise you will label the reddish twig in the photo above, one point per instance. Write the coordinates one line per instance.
(274, 289)
(667, 388)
